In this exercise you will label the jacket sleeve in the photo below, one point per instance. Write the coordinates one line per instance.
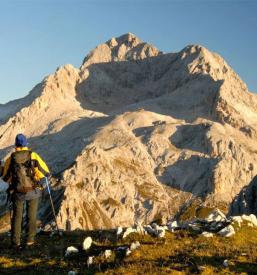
(41, 169)
(6, 175)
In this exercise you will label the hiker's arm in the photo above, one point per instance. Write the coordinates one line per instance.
(41, 169)
(6, 176)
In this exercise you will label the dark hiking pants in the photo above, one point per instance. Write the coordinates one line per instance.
(31, 220)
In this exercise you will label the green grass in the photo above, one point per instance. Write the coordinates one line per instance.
(181, 252)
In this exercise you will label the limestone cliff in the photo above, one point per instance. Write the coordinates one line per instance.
(134, 134)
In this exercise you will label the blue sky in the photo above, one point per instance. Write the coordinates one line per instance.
(37, 36)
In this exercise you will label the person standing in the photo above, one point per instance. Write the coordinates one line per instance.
(24, 170)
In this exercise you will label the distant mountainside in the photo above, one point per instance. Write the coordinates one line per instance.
(135, 135)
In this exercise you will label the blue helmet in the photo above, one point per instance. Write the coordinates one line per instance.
(21, 141)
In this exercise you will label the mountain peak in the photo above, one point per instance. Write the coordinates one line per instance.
(127, 47)
(128, 39)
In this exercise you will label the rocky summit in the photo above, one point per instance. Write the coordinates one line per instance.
(136, 136)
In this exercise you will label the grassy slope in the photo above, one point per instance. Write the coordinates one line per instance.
(178, 253)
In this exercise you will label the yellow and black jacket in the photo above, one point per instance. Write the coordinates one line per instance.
(40, 168)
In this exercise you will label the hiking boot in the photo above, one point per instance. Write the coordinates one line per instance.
(29, 245)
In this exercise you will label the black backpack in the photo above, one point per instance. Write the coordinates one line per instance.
(22, 171)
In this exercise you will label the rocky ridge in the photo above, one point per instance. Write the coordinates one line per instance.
(135, 134)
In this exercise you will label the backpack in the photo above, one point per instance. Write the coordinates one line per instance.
(22, 171)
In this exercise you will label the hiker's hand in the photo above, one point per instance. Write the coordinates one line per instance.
(43, 183)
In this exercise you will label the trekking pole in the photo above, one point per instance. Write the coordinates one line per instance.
(52, 204)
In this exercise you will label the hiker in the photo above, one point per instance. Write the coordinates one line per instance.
(25, 171)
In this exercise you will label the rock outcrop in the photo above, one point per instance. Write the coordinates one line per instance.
(134, 134)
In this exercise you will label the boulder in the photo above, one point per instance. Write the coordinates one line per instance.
(227, 231)
(128, 231)
(119, 231)
(207, 234)
(134, 245)
(216, 216)
(237, 219)
(149, 230)
(173, 225)
(251, 218)
(90, 260)
(107, 253)
(71, 250)
(87, 243)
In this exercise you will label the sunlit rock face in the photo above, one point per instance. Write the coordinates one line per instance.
(134, 134)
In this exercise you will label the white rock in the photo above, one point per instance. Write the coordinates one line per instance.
(48, 227)
(128, 231)
(87, 243)
(173, 225)
(128, 252)
(134, 245)
(207, 234)
(165, 227)
(119, 231)
(140, 229)
(225, 263)
(237, 219)
(155, 226)
(246, 218)
(160, 233)
(227, 231)
(71, 250)
(253, 219)
(90, 260)
(149, 230)
(194, 226)
(107, 253)
(216, 216)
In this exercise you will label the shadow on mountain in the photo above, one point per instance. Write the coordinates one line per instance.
(74, 137)
(246, 201)
(190, 175)
(161, 84)
(60, 149)
(144, 132)
(191, 137)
